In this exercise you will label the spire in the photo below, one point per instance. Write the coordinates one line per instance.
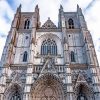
(77, 6)
(79, 10)
(81, 17)
(19, 8)
(36, 8)
(61, 7)
(61, 10)
(48, 18)
(37, 15)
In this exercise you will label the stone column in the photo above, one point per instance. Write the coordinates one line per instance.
(27, 88)
(69, 84)
(66, 53)
(96, 82)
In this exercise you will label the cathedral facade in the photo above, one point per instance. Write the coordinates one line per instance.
(49, 62)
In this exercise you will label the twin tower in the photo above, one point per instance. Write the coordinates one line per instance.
(49, 62)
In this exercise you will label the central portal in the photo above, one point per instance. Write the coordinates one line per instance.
(48, 87)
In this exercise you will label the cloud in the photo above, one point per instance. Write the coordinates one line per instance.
(50, 8)
(70, 5)
(5, 9)
(90, 5)
(93, 23)
(6, 16)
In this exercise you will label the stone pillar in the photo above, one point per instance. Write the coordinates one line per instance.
(66, 53)
(96, 82)
(88, 54)
(29, 77)
(69, 84)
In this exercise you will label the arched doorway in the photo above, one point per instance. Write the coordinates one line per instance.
(13, 92)
(47, 87)
(83, 92)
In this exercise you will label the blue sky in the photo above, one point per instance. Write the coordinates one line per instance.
(49, 8)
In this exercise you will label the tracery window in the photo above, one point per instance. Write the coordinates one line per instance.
(25, 56)
(71, 23)
(72, 56)
(27, 24)
(16, 96)
(48, 47)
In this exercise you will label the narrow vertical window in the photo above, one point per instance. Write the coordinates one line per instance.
(71, 24)
(72, 56)
(27, 24)
(25, 56)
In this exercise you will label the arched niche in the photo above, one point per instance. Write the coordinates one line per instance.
(48, 87)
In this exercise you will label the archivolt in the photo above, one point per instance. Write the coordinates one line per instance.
(88, 91)
(10, 91)
(51, 81)
(52, 36)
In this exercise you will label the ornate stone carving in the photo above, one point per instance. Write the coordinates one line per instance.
(49, 87)
(49, 24)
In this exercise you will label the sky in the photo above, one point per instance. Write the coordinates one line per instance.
(49, 8)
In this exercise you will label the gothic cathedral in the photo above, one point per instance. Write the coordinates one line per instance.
(49, 62)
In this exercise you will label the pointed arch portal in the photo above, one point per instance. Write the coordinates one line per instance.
(47, 87)
(13, 92)
(83, 92)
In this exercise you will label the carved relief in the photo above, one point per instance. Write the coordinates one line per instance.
(47, 87)
(49, 24)
(81, 76)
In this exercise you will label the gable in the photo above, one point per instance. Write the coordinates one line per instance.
(49, 24)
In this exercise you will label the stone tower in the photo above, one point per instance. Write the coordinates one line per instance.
(49, 62)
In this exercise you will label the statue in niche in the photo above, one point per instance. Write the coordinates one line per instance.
(49, 65)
